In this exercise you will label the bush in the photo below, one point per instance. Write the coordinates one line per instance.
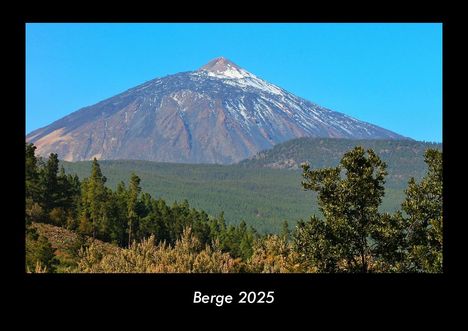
(40, 255)
(34, 212)
(274, 254)
(57, 216)
(187, 256)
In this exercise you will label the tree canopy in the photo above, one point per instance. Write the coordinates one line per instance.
(354, 236)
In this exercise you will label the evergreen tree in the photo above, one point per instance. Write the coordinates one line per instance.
(316, 246)
(69, 190)
(94, 207)
(31, 171)
(39, 250)
(34, 211)
(390, 243)
(423, 205)
(49, 190)
(118, 215)
(245, 239)
(348, 196)
(134, 190)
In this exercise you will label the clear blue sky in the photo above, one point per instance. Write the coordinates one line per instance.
(386, 74)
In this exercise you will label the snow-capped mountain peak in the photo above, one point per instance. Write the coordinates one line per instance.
(220, 113)
(224, 68)
(234, 75)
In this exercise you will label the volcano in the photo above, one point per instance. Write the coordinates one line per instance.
(220, 113)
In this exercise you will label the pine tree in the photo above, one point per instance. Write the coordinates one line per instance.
(48, 182)
(69, 190)
(315, 245)
(31, 171)
(348, 196)
(134, 190)
(34, 211)
(117, 215)
(94, 197)
(423, 205)
(39, 251)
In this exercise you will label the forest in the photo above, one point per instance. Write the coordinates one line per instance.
(126, 230)
(255, 190)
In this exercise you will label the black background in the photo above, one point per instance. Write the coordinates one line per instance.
(345, 298)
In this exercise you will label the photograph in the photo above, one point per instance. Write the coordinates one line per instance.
(233, 148)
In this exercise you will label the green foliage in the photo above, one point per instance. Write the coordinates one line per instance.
(423, 205)
(33, 212)
(40, 255)
(81, 242)
(315, 244)
(237, 241)
(49, 193)
(404, 158)
(94, 196)
(349, 196)
(134, 190)
(118, 209)
(264, 198)
(69, 187)
(51, 196)
(354, 235)
(124, 215)
(31, 172)
(390, 244)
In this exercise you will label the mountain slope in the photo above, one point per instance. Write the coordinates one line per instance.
(220, 113)
(404, 158)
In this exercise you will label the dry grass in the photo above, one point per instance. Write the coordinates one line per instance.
(62, 239)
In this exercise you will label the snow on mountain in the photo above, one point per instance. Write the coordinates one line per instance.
(220, 113)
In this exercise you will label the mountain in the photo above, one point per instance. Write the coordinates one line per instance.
(404, 158)
(219, 113)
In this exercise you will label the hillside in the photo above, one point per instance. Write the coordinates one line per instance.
(66, 243)
(254, 192)
(404, 158)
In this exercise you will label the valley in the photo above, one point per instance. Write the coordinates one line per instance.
(261, 196)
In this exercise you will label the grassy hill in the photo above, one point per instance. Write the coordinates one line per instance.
(254, 192)
(64, 242)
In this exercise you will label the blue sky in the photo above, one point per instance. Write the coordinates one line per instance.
(386, 74)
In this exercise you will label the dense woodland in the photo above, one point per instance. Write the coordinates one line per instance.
(261, 196)
(404, 158)
(148, 235)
